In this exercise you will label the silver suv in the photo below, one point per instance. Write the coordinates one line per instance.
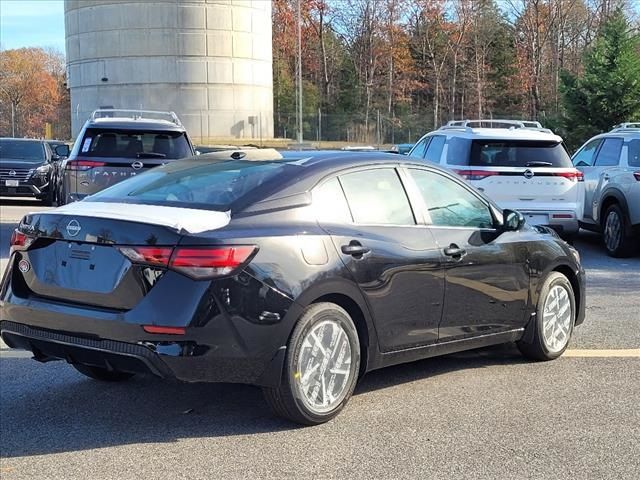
(610, 163)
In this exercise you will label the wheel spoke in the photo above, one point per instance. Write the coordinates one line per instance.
(556, 321)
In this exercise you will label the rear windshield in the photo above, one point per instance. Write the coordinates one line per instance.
(193, 184)
(518, 153)
(134, 144)
(21, 150)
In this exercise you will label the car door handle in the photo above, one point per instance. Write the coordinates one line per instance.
(454, 251)
(355, 249)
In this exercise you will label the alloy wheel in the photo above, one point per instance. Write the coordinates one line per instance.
(613, 230)
(556, 319)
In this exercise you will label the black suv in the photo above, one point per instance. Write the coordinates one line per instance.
(28, 168)
(118, 144)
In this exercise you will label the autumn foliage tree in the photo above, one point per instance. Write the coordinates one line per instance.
(32, 93)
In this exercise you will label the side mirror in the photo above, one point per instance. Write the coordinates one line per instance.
(512, 221)
(62, 151)
(55, 157)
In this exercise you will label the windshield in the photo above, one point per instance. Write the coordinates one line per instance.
(192, 184)
(518, 153)
(21, 150)
(134, 144)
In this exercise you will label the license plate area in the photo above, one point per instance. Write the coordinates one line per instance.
(536, 219)
(12, 183)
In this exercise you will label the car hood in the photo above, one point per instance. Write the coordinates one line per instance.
(12, 163)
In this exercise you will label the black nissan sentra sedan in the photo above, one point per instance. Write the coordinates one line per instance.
(297, 275)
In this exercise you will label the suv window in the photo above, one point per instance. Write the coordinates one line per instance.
(434, 151)
(584, 158)
(450, 204)
(134, 144)
(330, 203)
(634, 153)
(609, 153)
(518, 153)
(458, 151)
(377, 197)
(419, 148)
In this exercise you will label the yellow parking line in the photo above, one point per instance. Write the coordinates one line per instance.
(628, 353)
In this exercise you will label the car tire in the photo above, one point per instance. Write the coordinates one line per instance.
(552, 324)
(102, 374)
(615, 232)
(323, 338)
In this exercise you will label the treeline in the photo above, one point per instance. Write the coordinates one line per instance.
(33, 93)
(390, 70)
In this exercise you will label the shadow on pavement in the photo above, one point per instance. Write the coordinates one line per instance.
(51, 408)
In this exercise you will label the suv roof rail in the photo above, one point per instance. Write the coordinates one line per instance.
(495, 123)
(136, 115)
(626, 126)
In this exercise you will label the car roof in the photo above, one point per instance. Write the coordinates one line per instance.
(497, 134)
(127, 123)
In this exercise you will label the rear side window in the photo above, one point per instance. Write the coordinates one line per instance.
(434, 151)
(377, 197)
(134, 144)
(609, 153)
(584, 158)
(192, 184)
(518, 153)
(458, 151)
(634, 153)
(330, 204)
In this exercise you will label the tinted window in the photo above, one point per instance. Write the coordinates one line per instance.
(21, 150)
(458, 151)
(330, 203)
(134, 144)
(584, 158)
(450, 204)
(376, 197)
(634, 153)
(419, 149)
(192, 184)
(609, 153)
(434, 151)
(518, 153)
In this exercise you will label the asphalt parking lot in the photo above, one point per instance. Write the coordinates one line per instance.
(482, 414)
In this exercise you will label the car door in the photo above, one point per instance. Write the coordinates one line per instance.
(606, 167)
(394, 261)
(486, 273)
(583, 160)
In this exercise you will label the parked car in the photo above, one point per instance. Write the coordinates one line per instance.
(297, 275)
(117, 144)
(611, 166)
(518, 164)
(402, 148)
(28, 168)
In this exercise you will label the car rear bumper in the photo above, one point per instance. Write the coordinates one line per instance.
(562, 221)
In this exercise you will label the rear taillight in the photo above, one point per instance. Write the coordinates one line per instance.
(82, 165)
(576, 176)
(209, 262)
(158, 256)
(20, 241)
(475, 174)
(195, 262)
(637, 175)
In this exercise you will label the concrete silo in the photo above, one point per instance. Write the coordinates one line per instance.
(208, 60)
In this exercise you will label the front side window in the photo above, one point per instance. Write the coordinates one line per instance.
(434, 151)
(134, 144)
(584, 158)
(377, 197)
(609, 154)
(330, 204)
(449, 203)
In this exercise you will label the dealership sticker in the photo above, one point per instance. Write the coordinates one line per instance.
(86, 145)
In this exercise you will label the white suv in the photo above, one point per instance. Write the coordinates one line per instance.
(519, 164)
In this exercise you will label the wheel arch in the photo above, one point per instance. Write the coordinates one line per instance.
(568, 272)
(610, 197)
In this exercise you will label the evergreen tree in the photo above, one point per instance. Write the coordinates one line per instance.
(609, 90)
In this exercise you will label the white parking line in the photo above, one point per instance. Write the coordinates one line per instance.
(621, 353)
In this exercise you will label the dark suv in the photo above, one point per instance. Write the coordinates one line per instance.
(117, 144)
(28, 168)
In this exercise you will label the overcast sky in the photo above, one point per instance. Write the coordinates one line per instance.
(32, 23)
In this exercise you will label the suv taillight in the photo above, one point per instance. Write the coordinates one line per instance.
(475, 174)
(575, 176)
(20, 241)
(83, 165)
(195, 262)
(637, 175)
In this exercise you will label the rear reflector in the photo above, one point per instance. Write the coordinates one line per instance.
(20, 241)
(562, 215)
(476, 174)
(164, 330)
(158, 256)
(83, 165)
(208, 262)
(575, 176)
